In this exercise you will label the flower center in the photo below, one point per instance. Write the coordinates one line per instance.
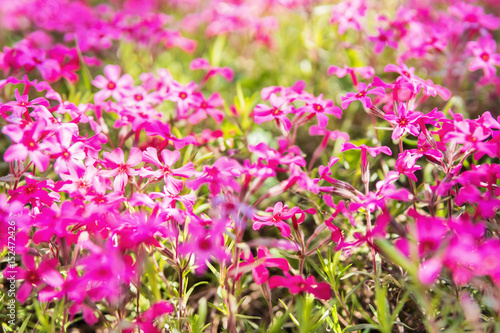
(205, 244)
(30, 189)
(405, 73)
(111, 85)
(123, 168)
(485, 56)
(276, 112)
(361, 94)
(183, 95)
(33, 277)
(318, 107)
(138, 97)
(403, 121)
(383, 38)
(204, 105)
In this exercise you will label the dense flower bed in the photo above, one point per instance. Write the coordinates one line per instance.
(266, 165)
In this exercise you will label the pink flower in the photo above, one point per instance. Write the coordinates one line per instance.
(112, 84)
(297, 284)
(185, 97)
(208, 106)
(119, 169)
(44, 276)
(205, 243)
(280, 214)
(405, 165)
(320, 107)
(201, 63)
(220, 176)
(68, 156)
(278, 112)
(258, 265)
(165, 170)
(361, 96)
(384, 38)
(484, 56)
(22, 104)
(27, 143)
(404, 122)
(373, 151)
(366, 72)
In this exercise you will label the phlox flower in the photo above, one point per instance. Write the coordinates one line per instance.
(145, 322)
(165, 170)
(367, 72)
(274, 158)
(201, 63)
(361, 96)
(320, 107)
(22, 105)
(258, 265)
(170, 199)
(34, 192)
(208, 106)
(31, 58)
(220, 176)
(184, 96)
(484, 56)
(42, 276)
(106, 270)
(280, 213)
(384, 38)
(348, 15)
(115, 161)
(406, 165)
(472, 137)
(27, 142)
(278, 112)
(68, 155)
(404, 122)
(204, 243)
(112, 85)
(297, 284)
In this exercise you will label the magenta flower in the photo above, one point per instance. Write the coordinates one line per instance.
(201, 63)
(34, 192)
(208, 106)
(185, 97)
(320, 107)
(22, 105)
(205, 243)
(68, 156)
(404, 122)
(406, 165)
(278, 112)
(165, 170)
(27, 143)
(112, 84)
(484, 56)
(361, 96)
(280, 214)
(297, 284)
(221, 175)
(258, 265)
(43, 275)
(115, 161)
(367, 72)
(384, 38)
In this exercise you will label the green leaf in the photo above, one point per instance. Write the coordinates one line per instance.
(360, 327)
(25, 324)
